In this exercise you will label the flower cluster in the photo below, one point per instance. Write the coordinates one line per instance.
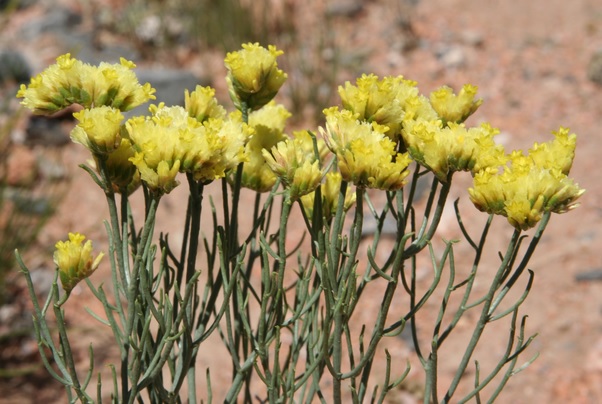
(297, 163)
(74, 260)
(268, 124)
(445, 150)
(98, 129)
(171, 141)
(531, 184)
(381, 101)
(71, 81)
(455, 108)
(380, 119)
(253, 75)
(365, 155)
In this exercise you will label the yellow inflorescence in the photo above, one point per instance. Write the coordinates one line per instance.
(170, 141)
(201, 104)
(365, 155)
(268, 124)
(455, 108)
(445, 150)
(295, 161)
(74, 260)
(381, 120)
(71, 81)
(381, 101)
(253, 75)
(98, 129)
(530, 185)
(123, 174)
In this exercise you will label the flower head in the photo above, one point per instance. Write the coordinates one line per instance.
(382, 101)
(558, 153)
(365, 155)
(74, 260)
(123, 174)
(524, 191)
(296, 163)
(253, 75)
(452, 107)
(170, 141)
(445, 150)
(201, 104)
(70, 81)
(268, 124)
(98, 129)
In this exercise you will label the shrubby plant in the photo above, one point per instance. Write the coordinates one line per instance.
(287, 314)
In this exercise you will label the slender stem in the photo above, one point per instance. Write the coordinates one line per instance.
(484, 318)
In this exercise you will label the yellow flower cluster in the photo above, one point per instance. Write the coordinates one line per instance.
(74, 260)
(201, 104)
(123, 174)
(268, 124)
(71, 81)
(530, 185)
(171, 141)
(98, 129)
(445, 150)
(455, 108)
(296, 162)
(381, 101)
(253, 75)
(365, 155)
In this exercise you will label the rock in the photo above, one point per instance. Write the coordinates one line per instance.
(452, 56)
(594, 69)
(588, 276)
(344, 8)
(56, 20)
(472, 38)
(47, 131)
(15, 4)
(13, 67)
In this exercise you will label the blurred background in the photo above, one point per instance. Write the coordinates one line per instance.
(538, 66)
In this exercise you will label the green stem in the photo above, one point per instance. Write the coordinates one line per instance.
(484, 318)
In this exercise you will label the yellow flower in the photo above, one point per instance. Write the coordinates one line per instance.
(98, 129)
(226, 140)
(71, 81)
(123, 174)
(524, 191)
(296, 163)
(558, 153)
(268, 124)
(455, 108)
(365, 155)
(75, 261)
(156, 141)
(253, 75)
(330, 190)
(173, 141)
(382, 101)
(445, 150)
(201, 104)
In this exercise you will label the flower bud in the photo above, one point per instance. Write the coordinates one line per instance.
(253, 75)
(74, 260)
(98, 129)
(455, 108)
